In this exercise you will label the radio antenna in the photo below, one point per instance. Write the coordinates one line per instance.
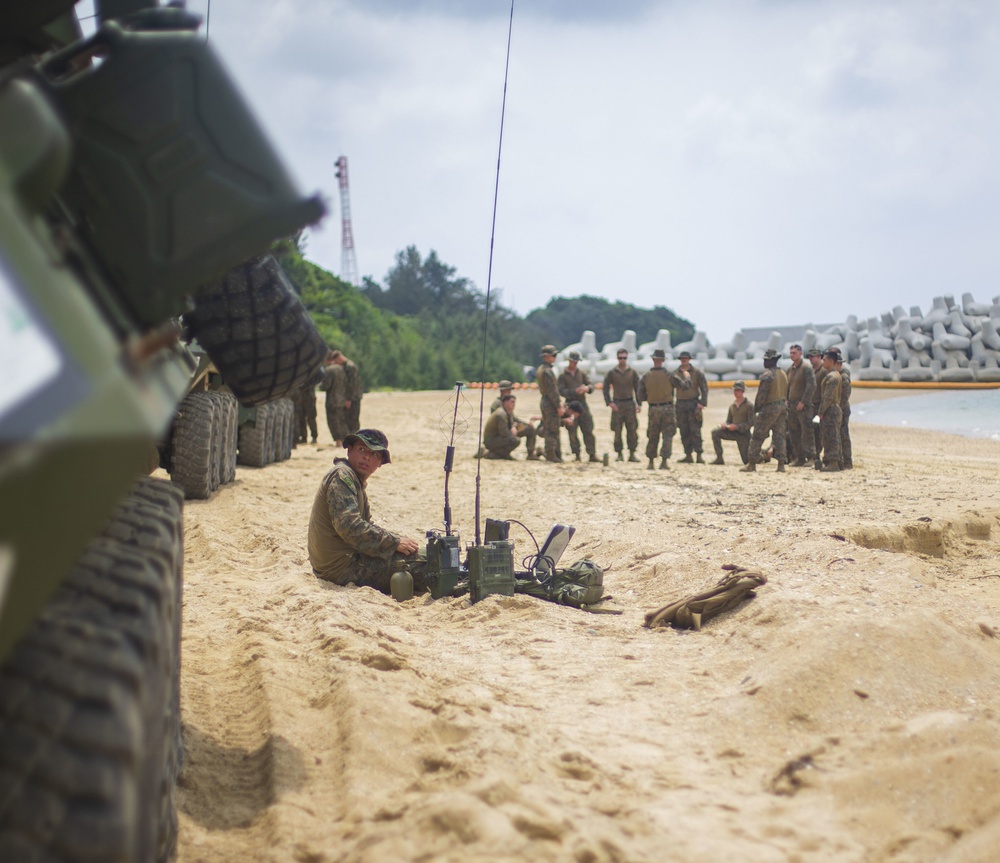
(489, 275)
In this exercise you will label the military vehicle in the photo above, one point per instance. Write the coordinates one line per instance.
(138, 198)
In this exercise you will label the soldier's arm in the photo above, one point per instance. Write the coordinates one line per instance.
(640, 390)
(566, 386)
(607, 389)
(810, 390)
(703, 387)
(368, 538)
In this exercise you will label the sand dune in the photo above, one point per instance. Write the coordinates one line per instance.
(850, 712)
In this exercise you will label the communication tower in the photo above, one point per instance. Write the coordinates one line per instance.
(348, 261)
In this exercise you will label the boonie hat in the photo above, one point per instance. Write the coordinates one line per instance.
(771, 354)
(659, 354)
(739, 385)
(549, 349)
(575, 355)
(814, 352)
(505, 385)
(375, 440)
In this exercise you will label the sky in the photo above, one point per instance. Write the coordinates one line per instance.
(746, 163)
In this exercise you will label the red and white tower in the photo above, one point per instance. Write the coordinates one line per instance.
(348, 261)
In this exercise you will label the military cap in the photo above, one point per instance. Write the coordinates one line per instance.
(771, 354)
(814, 352)
(575, 355)
(684, 354)
(505, 385)
(659, 354)
(375, 440)
(548, 349)
(739, 385)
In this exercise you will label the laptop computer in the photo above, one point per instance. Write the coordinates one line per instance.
(552, 549)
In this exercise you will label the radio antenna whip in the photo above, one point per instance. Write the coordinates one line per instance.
(489, 274)
(454, 423)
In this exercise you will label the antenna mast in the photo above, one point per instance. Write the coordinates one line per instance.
(348, 261)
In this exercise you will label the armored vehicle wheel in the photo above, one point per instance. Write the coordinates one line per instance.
(89, 720)
(218, 419)
(232, 435)
(254, 450)
(257, 331)
(287, 429)
(191, 445)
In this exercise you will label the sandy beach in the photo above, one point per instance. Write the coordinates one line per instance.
(850, 712)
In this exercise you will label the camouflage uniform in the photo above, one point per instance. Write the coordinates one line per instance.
(624, 385)
(801, 387)
(846, 453)
(770, 414)
(742, 417)
(304, 400)
(523, 428)
(548, 389)
(817, 395)
(568, 383)
(656, 387)
(336, 416)
(344, 545)
(830, 417)
(499, 438)
(691, 394)
(352, 392)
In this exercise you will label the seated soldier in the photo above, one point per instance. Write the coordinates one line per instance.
(499, 434)
(344, 545)
(737, 426)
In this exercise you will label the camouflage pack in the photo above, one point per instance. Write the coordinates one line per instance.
(579, 585)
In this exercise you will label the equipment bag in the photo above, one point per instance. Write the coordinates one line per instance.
(732, 589)
(579, 585)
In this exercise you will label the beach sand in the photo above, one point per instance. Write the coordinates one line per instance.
(851, 712)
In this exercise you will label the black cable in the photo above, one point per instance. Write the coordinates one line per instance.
(489, 277)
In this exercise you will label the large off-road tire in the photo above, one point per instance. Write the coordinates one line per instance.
(254, 440)
(89, 703)
(231, 437)
(257, 332)
(191, 452)
(218, 430)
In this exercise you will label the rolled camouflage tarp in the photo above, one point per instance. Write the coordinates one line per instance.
(736, 586)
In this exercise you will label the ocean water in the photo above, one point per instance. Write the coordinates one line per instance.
(972, 413)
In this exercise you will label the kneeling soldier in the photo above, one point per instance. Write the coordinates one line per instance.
(739, 421)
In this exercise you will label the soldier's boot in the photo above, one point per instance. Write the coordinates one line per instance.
(700, 459)
(652, 464)
(750, 467)
(781, 466)
(718, 460)
(664, 464)
(619, 457)
(576, 456)
(686, 460)
(831, 466)
(847, 465)
(593, 458)
(799, 462)
(534, 455)
(632, 456)
(817, 465)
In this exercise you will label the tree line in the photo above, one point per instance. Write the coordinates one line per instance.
(424, 327)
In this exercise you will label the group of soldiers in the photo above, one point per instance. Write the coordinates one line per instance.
(340, 379)
(784, 409)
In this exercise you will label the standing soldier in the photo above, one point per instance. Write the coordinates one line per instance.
(304, 400)
(770, 412)
(846, 454)
(815, 356)
(801, 442)
(829, 413)
(333, 385)
(574, 385)
(739, 420)
(656, 387)
(352, 391)
(623, 382)
(552, 409)
(523, 428)
(692, 399)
